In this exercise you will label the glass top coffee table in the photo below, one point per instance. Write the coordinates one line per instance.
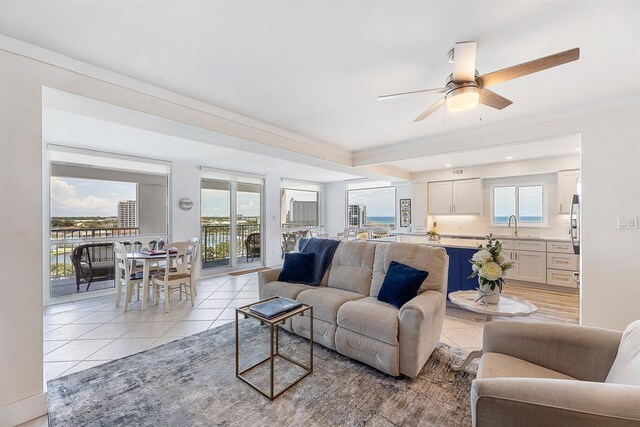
(274, 347)
(509, 306)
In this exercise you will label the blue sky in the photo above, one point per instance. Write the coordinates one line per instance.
(379, 201)
(217, 203)
(87, 197)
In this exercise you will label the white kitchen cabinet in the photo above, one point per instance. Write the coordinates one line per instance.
(530, 266)
(467, 197)
(440, 197)
(461, 197)
(567, 187)
(508, 256)
(562, 261)
(418, 205)
(561, 278)
(560, 247)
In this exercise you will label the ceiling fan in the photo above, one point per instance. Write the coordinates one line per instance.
(465, 88)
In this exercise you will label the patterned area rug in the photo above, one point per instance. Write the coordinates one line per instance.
(191, 382)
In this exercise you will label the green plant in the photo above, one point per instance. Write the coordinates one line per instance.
(489, 265)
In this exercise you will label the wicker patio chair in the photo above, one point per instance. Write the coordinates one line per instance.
(93, 262)
(252, 244)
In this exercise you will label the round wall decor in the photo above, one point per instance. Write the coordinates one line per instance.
(186, 204)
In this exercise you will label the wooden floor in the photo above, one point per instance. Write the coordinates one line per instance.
(553, 306)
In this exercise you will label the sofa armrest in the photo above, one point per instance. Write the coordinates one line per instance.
(420, 323)
(267, 276)
(581, 352)
(539, 402)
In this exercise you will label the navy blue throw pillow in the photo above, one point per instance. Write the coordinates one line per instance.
(401, 284)
(297, 268)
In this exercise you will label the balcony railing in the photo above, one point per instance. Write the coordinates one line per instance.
(216, 240)
(60, 250)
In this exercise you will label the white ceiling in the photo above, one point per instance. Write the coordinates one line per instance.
(552, 147)
(315, 68)
(66, 128)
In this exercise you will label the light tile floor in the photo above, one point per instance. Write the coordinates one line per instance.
(87, 333)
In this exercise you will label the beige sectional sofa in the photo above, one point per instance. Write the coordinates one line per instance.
(348, 317)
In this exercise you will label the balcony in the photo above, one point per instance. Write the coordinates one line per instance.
(216, 244)
(215, 251)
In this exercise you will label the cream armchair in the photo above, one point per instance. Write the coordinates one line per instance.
(546, 374)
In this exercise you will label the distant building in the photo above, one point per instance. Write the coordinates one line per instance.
(357, 215)
(303, 213)
(127, 214)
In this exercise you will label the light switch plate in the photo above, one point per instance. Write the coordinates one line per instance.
(627, 222)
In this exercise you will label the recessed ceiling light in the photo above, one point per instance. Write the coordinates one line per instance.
(509, 157)
(448, 165)
(577, 149)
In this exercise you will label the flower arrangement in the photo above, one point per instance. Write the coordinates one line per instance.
(489, 266)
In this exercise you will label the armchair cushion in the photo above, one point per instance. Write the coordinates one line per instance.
(401, 283)
(626, 366)
(496, 365)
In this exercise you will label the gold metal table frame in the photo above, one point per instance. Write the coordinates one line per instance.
(274, 350)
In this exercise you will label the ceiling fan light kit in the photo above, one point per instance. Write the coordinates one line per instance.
(463, 98)
(465, 89)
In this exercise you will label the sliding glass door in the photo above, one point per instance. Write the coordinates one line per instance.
(231, 220)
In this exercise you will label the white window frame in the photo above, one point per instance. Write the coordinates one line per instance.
(359, 188)
(545, 204)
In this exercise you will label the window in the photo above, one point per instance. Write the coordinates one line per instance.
(95, 199)
(299, 208)
(526, 202)
(371, 207)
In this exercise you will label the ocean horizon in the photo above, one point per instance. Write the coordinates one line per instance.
(382, 219)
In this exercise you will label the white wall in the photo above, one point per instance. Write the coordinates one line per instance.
(335, 207)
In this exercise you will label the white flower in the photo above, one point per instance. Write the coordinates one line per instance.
(501, 259)
(482, 256)
(475, 268)
(491, 271)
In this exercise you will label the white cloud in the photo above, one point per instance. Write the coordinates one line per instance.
(64, 196)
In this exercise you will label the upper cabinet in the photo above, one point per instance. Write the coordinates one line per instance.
(461, 197)
(567, 187)
(419, 204)
(440, 197)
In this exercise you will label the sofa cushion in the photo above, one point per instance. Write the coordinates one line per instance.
(426, 258)
(326, 301)
(497, 365)
(372, 318)
(352, 266)
(297, 268)
(284, 289)
(401, 284)
(626, 366)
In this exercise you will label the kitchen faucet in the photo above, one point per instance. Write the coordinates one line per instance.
(515, 219)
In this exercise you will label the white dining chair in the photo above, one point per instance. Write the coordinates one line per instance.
(125, 275)
(179, 273)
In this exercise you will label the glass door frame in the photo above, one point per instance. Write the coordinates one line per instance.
(234, 265)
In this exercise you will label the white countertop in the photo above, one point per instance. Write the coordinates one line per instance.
(422, 240)
(482, 237)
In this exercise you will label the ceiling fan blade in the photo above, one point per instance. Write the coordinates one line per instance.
(530, 67)
(493, 100)
(464, 62)
(395, 95)
(430, 110)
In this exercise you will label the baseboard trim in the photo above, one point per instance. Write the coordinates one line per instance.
(23, 410)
